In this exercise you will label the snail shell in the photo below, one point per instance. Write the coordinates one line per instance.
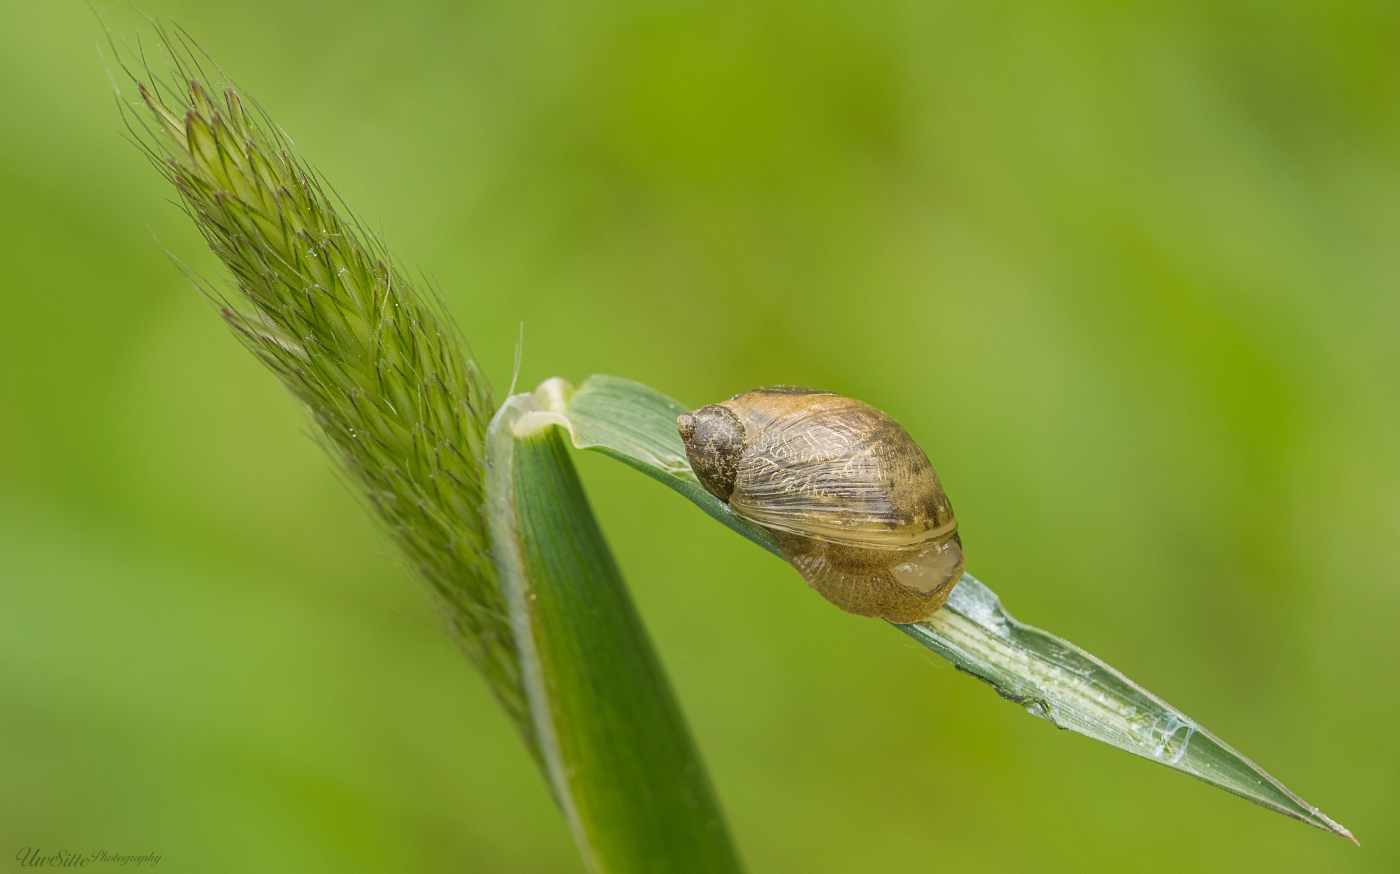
(849, 497)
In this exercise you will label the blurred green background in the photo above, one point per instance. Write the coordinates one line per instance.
(1130, 272)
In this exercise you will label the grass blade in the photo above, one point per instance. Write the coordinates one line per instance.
(615, 745)
(1050, 677)
(1059, 682)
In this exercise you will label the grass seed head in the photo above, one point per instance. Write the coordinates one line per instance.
(397, 399)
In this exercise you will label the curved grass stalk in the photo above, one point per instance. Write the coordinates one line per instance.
(615, 745)
(1050, 677)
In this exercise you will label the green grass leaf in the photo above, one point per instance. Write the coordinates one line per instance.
(615, 745)
(1052, 678)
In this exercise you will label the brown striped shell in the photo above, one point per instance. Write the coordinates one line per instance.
(850, 498)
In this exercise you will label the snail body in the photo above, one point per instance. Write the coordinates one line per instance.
(851, 500)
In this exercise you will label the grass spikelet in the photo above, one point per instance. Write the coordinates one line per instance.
(398, 400)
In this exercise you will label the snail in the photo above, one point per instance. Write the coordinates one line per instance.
(851, 500)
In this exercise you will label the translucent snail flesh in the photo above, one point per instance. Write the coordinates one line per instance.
(851, 499)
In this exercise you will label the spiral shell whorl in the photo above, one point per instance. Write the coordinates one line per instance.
(851, 500)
